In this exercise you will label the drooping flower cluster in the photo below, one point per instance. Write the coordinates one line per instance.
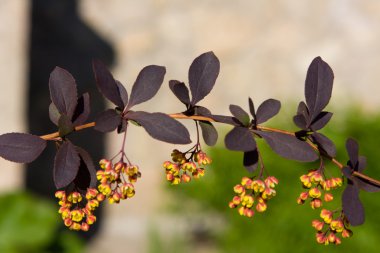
(329, 228)
(252, 193)
(182, 168)
(317, 188)
(116, 181)
(76, 211)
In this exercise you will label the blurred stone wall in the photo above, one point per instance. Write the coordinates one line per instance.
(264, 46)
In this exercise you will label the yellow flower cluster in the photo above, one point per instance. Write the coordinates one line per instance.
(77, 211)
(116, 181)
(329, 228)
(182, 168)
(317, 186)
(252, 193)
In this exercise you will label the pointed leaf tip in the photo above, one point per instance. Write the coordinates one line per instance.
(203, 72)
(63, 91)
(147, 84)
(268, 109)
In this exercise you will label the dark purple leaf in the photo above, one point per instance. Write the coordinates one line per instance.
(65, 126)
(54, 114)
(250, 160)
(251, 108)
(300, 121)
(63, 91)
(180, 91)
(107, 121)
(302, 110)
(325, 144)
(161, 127)
(289, 146)
(318, 86)
(202, 75)
(147, 84)
(203, 111)
(351, 205)
(241, 115)
(268, 109)
(347, 172)
(240, 139)
(209, 133)
(366, 185)
(21, 148)
(123, 93)
(224, 119)
(86, 177)
(106, 83)
(362, 163)
(82, 111)
(353, 151)
(320, 121)
(66, 165)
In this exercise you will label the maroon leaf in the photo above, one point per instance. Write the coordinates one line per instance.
(250, 160)
(123, 93)
(106, 83)
(251, 108)
(320, 121)
(268, 109)
(86, 177)
(147, 84)
(180, 91)
(289, 146)
(54, 114)
(66, 165)
(366, 185)
(107, 121)
(224, 119)
(240, 139)
(362, 163)
(240, 114)
(318, 86)
(21, 148)
(300, 121)
(209, 133)
(161, 127)
(353, 151)
(65, 126)
(325, 144)
(202, 75)
(82, 111)
(203, 111)
(63, 91)
(351, 205)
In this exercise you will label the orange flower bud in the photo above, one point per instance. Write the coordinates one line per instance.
(337, 225)
(236, 200)
(75, 226)
(68, 222)
(321, 239)
(316, 177)
(328, 197)
(331, 237)
(271, 181)
(300, 201)
(346, 233)
(248, 212)
(247, 201)
(100, 197)
(315, 193)
(169, 177)
(85, 227)
(306, 182)
(91, 219)
(60, 194)
(246, 181)
(232, 205)
(337, 241)
(119, 167)
(189, 166)
(91, 193)
(176, 180)
(241, 210)
(318, 225)
(77, 215)
(316, 203)
(132, 170)
(261, 207)
(185, 178)
(326, 215)
(105, 164)
(258, 185)
(304, 195)
(239, 189)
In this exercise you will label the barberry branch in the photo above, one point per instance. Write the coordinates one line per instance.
(54, 136)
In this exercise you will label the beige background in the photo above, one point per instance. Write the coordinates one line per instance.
(264, 46)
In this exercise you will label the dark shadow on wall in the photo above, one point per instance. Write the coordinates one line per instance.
(60, 38)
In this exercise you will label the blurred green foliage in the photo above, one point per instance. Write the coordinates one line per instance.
(285, 226)
(29, 224)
